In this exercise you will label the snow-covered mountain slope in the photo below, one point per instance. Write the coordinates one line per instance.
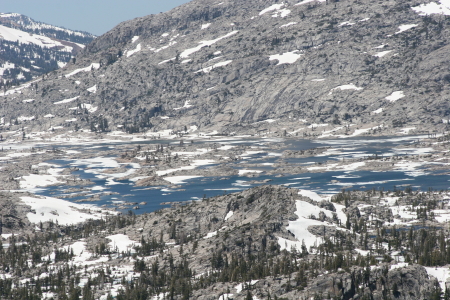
(31, 48)
(228, 65)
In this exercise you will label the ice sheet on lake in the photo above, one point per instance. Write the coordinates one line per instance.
(179, 179)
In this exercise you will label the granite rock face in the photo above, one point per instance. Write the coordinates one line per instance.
(225, 65)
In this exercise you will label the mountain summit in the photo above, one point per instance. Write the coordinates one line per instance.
(232, 65)
(31, 48)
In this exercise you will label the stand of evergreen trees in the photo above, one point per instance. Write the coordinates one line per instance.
(174, 277)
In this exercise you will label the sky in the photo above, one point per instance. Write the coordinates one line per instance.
(93, 16)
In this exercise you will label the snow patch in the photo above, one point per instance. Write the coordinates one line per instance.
(271, 8)
(221, 64)
(383, 53)
(15, 35)
(204, 26)
(64, 212)
(67, 100)
(187, 52)
(405, 27)
(395, 96)
(346, 24)
(93, 66)
(23, 118)
(350, 86)
(288, 24)
(186, 105)
(286, 58)
(309, 1)
(281, 13)
(229, 215)
(433, 8)
(137, 49)
(380, 110)
(210, 235)
(299, 227)
(310, 194)
(441, 274)
(89, 107)
(92, 89)
(121, 242)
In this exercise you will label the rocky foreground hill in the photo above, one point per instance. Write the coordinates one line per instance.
(226, 65)
(268, 242)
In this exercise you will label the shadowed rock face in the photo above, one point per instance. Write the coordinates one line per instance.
(324, 62)
(13, 214)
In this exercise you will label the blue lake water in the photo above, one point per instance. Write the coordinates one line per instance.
(323, 183)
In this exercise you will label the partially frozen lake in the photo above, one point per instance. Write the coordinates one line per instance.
(326, 173)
